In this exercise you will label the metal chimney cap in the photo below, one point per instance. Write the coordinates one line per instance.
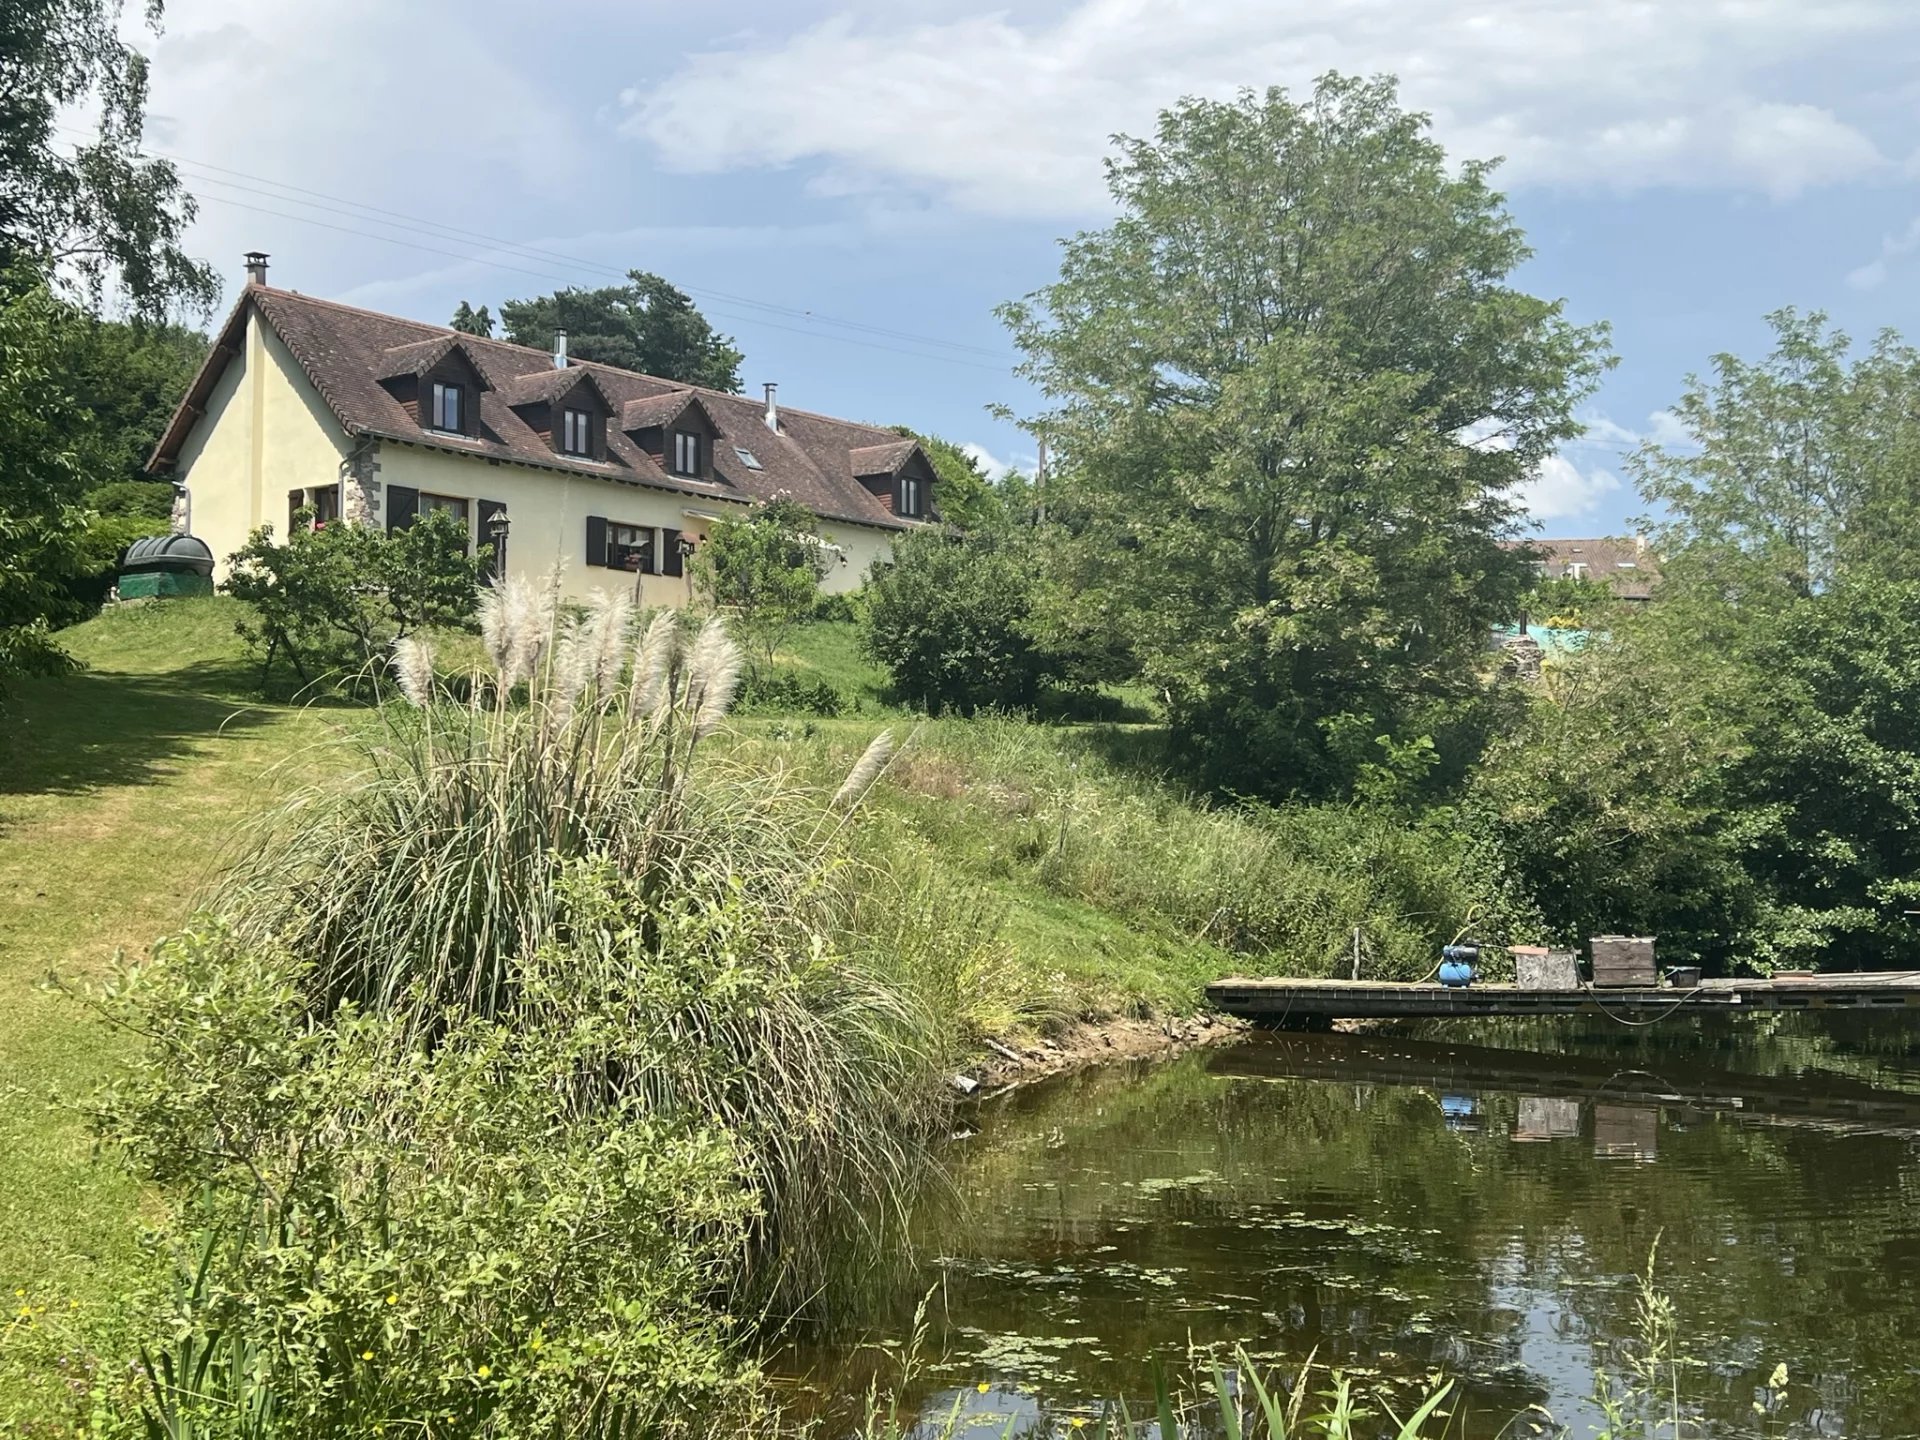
(559, 349)
(256, 267)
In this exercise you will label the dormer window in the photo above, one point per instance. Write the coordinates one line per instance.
(686, 453)
(576, 435)
(449, 408)
(909, 495)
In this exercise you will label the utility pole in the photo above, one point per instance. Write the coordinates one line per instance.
(1040, 480)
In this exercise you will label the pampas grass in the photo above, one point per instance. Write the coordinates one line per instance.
(464, 873)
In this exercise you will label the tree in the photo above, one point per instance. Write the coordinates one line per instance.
(130, 377)
(469, 321)
(100, 211)
(1291, 393)
(964, 494)
(42, 524)
(1796, 465)
(645, 325)
(336, 597)
(765, 571)
(950, 617)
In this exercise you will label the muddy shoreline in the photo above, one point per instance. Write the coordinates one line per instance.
(1003, 1063)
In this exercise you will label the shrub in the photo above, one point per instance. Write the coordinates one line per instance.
(784, 693)
(765, 572)
(949, 618)
(337, 596)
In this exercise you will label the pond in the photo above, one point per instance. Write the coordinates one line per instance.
(1430, 1198)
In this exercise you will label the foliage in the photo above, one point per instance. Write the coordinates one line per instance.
(950, 618)
(1291, 392)
(468, 1236)
(100, 211)
(782, 692)
(1795, 465)
(129, 377)
(132, 499)
(42, 527)
(1569, 602)
(447, 880)
(338, 596)
(646, 325)
(469, 321)
(764, 571)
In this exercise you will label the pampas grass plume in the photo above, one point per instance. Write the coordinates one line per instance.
(713, 674)
(653, 661)
(865, 770)
(413, 668)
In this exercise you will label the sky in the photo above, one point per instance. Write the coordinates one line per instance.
(848, 189)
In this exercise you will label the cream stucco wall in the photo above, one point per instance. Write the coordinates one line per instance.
(266, 432)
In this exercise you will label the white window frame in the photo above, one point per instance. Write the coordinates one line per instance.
(909, 495)
(687, 452)
(576, 433)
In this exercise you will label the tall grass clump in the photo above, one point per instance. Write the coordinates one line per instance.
(500, 1083)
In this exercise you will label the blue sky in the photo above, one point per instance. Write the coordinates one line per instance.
(848, 189)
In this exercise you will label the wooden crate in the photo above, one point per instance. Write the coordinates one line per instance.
(1535, 967)
(1623, 960)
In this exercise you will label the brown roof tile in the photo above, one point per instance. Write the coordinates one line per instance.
(345, 352)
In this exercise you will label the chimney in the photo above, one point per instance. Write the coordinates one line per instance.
(773, 407)
(559, 349)
(256, 267)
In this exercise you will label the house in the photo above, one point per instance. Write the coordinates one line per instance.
(613, 477)
(1628, 566)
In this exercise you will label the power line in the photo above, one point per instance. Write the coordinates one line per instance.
(433, 229)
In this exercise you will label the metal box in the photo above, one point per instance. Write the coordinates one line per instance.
(1535, 967)
(1620, 960)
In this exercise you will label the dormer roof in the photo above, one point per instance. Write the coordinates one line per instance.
(554, 383)
(420, 356)
(872, 461)
(664, 410)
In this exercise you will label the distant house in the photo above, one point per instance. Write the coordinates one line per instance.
(611, 476)
(1627, 565)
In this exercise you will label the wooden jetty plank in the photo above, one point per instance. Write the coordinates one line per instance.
(1308, 1002)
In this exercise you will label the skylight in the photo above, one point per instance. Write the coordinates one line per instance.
(746, 457)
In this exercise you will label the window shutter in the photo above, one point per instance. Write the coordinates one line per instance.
(596, 540)
(670, 561)
(295, 499)
(403, 507)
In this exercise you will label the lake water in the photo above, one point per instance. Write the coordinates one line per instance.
(1431, 1198)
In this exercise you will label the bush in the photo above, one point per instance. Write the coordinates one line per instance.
(336, 597)
(501, 1075)
(839, 608)
(949, 618)
(784, 693)
(764, 572)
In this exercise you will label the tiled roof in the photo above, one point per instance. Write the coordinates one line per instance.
(346, 352)
(882, 459)
(551, 384)
(416, 358)
(657, 410)
(1628, 564)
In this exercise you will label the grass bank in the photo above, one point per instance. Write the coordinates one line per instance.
(1078, 880)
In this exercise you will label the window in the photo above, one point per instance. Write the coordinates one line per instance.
(449, 408)
(909, 495)
(460, 509)
(1576, 570)
(576, 433)
(686, 453)
(630, 547)
(326, 505)
(747, 457)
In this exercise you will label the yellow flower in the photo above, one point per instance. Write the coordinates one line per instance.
(983, 1387)
(393, 1299)
(484, 1371)
(366, 1354)
(1078, 1422)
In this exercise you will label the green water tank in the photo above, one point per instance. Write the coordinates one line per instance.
(166, 565)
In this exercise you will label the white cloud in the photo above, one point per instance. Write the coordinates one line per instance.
(1666, 430)
(1561, 490)
(1893, 248)
(1007, 114)
(992, 464)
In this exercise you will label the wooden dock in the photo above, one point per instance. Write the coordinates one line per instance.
(1313, 1004)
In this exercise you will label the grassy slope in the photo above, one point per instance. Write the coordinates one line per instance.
(118, 786)
(1097, 885)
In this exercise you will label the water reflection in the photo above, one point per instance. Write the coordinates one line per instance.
(1398, 1202)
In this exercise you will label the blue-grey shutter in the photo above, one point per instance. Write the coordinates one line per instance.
(596, 540)
(670, 561)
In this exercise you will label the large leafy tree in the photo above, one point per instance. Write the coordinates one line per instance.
(96, 213)
(764, 570)
(1796, 465)
(1292, 392)
(647, 325)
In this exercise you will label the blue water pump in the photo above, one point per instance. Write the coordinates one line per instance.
(1460, 963)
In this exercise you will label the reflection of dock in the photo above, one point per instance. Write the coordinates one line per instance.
(1306, 1003)
(1823, 1102)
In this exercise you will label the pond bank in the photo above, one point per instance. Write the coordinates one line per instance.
(1100, 1042)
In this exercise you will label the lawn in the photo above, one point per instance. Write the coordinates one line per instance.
(118, 787)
